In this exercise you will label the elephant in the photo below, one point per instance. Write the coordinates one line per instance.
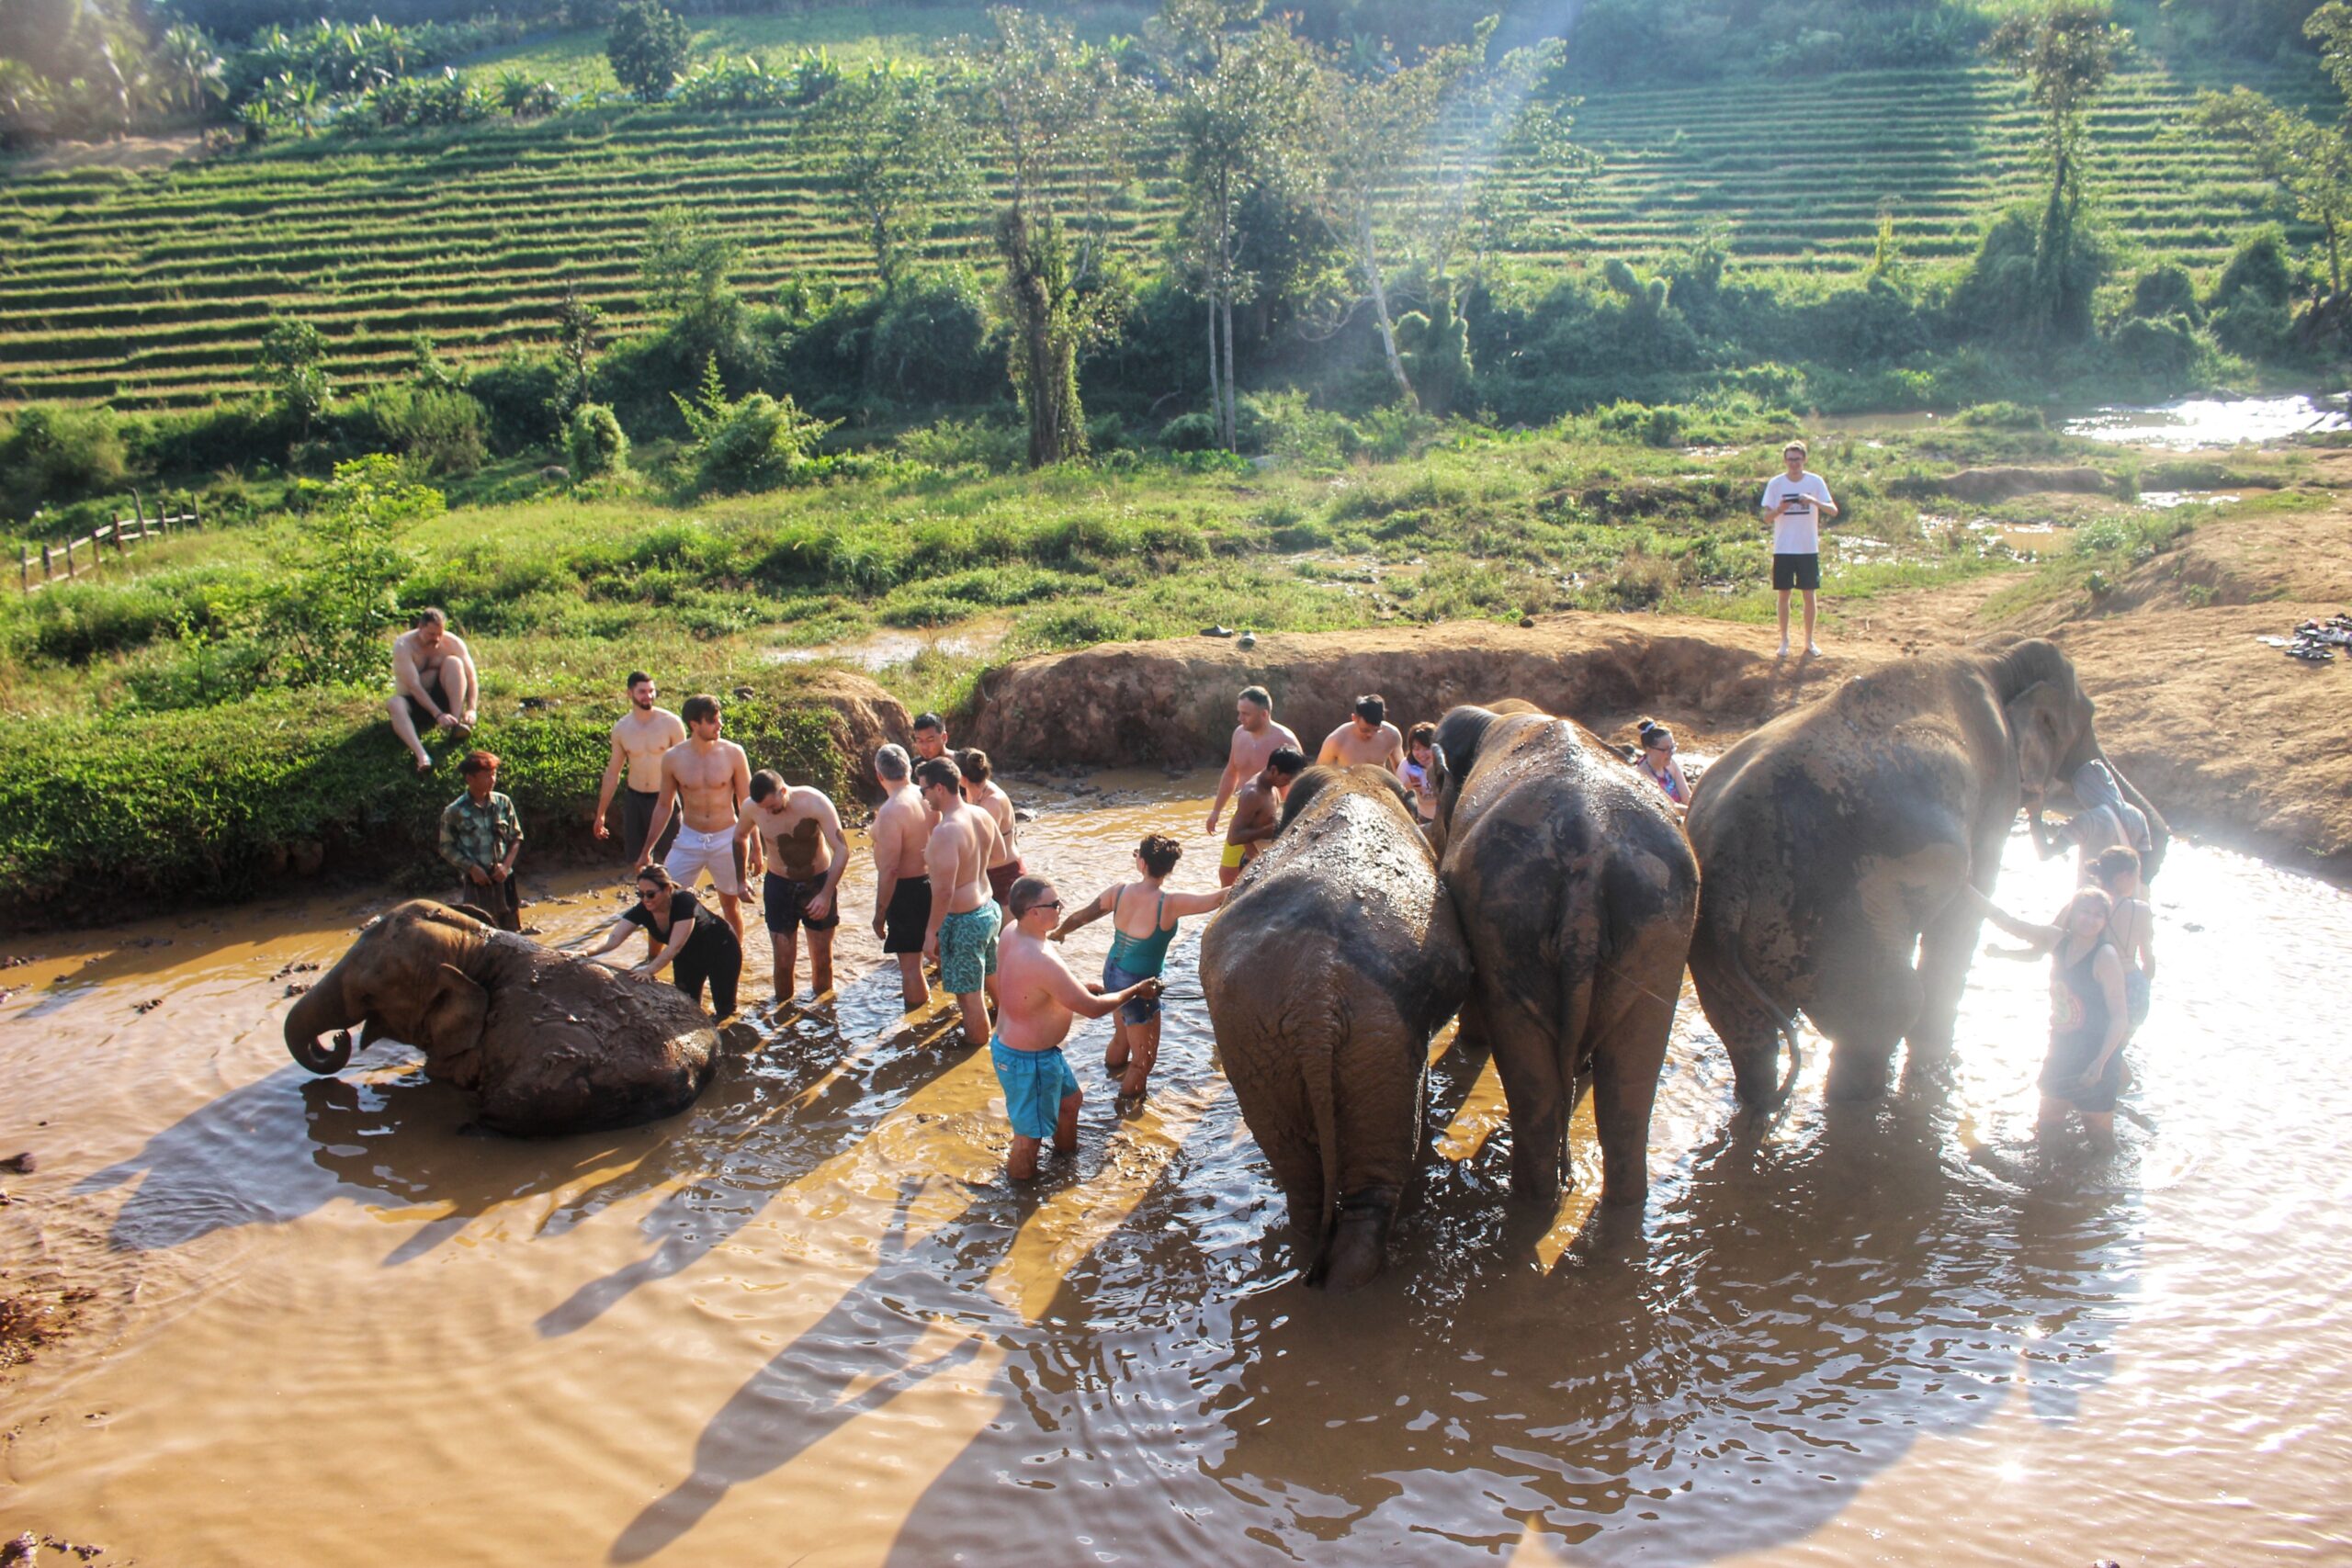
(1332, 962)
(1833, 842)
(1576, 891)
(549, 1043)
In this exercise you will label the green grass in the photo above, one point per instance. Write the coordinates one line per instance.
(153, 289)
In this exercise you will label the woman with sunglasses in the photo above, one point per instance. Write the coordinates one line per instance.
(1657, 764)
(694, 943)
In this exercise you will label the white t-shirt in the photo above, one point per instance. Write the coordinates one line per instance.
(1798, 532)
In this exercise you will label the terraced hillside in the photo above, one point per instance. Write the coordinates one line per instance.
(153, 289)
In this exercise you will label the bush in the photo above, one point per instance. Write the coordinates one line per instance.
(518, 394)
(958, 443)
(2163, 349)
(931, 342)
(1653, 426)
(442, 432)
(595, 442)
(56, 453)
(1194, 431)
(2166, 289)
(2001, 416)
(758, 443)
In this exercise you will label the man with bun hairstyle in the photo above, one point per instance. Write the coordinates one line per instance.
(1257, 812)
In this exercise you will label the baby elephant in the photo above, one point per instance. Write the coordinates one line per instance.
(549, 1043)
(1335, 959)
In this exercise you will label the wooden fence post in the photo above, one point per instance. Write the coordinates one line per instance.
(45, 572)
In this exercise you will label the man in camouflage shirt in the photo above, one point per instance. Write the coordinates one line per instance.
(480, 836)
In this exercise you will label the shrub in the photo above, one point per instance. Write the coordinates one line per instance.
(2164, 289)
(649, 49)
(442, 432)
(931, 342)
(755, 444)
(2001, 416)
(333, 611)
(1659, 427)
(1194, 431)
(2162, 350)
(55, 453)
(958, 443)
(595, 442)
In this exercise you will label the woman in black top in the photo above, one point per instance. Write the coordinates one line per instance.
(2088, 1015)
(694, 943)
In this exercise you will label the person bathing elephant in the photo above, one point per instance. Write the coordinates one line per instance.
(550, 1043)
(1834, 842)
(1328, 1047)
(1575, 891)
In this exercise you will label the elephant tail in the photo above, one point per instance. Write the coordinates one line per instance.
(1319, 1067)
(1785, 1023)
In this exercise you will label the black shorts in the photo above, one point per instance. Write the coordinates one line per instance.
(1796, 571)
(637, 820)
(787, 904)
(418, 714)
(907, 919)
(2061, 1073)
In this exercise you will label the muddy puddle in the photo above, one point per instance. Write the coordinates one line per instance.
(808, 1322)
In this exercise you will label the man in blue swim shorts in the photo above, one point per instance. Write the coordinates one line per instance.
(962, 935)
(1039, 997)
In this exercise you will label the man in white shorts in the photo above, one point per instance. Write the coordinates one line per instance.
(708, 779)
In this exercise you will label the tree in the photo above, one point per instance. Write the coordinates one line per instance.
(291, 364)
(336, 606)
(1237, 91)
(687, 268)
(192, 70)
(900, 157)
(1054, 108)
(2309, 163)
(579, 325)
(2064, 52)
(649, 47)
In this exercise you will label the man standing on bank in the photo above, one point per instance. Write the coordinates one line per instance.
(707, 779)
(435, 685)
(1256, 738)
(639, 737)
(795, 834)
(1794, 503)
(480, 836)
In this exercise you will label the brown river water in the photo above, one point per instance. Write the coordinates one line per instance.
(809, 1321)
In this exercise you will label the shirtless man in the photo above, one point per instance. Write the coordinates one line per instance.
(1367, 737)
(793, 833)
(983, 790)
(901, 885)
(962, 929)
(931, 737)
(1041, 997)
(708, 779)
(435, 685)
(1257, 813)
(1256, 738)
(639, 739)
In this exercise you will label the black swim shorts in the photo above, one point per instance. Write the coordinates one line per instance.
(638, 807)
(907, 919)
(787, 904)
(417, 713)
(1796, 571)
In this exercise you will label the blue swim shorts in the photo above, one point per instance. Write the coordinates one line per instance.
(1036, 1083)
(1136, 1009)
(968, 950)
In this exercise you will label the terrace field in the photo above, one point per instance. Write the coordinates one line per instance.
(152, 288)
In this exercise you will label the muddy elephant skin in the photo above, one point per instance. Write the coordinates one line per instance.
(1575, 890)
(549, 1043)
(1834, 840)
(1332, 962)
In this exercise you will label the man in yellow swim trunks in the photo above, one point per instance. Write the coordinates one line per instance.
(1257, 812)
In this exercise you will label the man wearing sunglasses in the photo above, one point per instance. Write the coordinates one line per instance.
(1037, 999)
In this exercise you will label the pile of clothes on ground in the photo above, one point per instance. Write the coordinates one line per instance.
(2317, 640)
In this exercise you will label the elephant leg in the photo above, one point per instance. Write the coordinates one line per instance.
(1867, 999)
(1533, 1060)
(1945, 949)
(1750, 1034)
(1632, 1017)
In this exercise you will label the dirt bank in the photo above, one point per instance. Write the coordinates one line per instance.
(2234, 741)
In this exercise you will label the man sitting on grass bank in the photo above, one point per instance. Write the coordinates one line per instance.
(1041, 997)
(1794, 503)
(435, 685)
(480, 836)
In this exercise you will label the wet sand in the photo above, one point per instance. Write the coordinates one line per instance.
(808, 1321)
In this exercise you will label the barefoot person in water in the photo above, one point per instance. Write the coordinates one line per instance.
(793, 834)
(1257, 812)
(435, 685)
(983, 790)
(1255, 738)
(1366, 738)
(1143, 923)
(963, 916)
(902, 884)
(1041, 999)
(707, 779)
(639, 737)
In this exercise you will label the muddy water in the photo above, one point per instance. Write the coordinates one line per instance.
(808, 1321)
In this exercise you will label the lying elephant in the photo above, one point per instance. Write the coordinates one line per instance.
(1834, 840)
(1576, 891)
(551, 1044)
(1334, 960)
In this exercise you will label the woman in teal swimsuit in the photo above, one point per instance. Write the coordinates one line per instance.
(1142, 923)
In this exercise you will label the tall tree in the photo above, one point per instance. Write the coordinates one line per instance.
(1238, 91)
(649, 47)
(2064, 51)
(900, 158)
(1054, 110)
(2309, 163)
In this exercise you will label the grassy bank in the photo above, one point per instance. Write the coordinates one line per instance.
(158, 750)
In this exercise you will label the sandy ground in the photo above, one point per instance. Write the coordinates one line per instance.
(2231, 739)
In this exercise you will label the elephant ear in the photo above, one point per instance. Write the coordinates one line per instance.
(2037, 719)
(453, 1024)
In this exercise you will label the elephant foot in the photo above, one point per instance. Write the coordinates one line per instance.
(1358, 1247)
(1854, 1075)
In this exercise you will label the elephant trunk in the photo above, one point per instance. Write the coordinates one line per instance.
(317, 1010)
